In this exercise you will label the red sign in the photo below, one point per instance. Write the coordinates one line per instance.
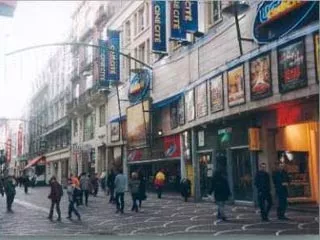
(172, 146)
(135, 155)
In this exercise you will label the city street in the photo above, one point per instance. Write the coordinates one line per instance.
(169, 216)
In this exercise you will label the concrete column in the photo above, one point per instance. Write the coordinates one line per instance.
(183, 171)
(196, 169)
(125, 163)
(59, 173)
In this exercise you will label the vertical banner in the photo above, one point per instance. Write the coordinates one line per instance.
(102, 62)
(20, 141)
(8, 150)
(190, 15)
(113, 57)
(159, 36)
(178, 32)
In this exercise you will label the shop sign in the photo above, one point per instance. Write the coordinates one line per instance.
(190, 15)
(201, 100)
(275, 19)
(317, 55)
(139, 86)
(159, 36)
(102, 62)
(292, 67)
(177, 24)
(189, 104)
(138, 124)
(172, 146)
(134, 155)
(216, 94)
(115, 131)
(236, 93)
(260, 77)
(254, 139)
(224, 136)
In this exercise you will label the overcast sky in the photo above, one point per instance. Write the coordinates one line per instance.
(34, 22)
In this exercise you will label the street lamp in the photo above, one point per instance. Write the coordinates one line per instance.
(236, 8)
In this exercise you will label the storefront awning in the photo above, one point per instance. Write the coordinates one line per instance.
(117, 119)
(167, 101)
(33, 162)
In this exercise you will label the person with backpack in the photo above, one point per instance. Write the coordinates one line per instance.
(9, 185)
(72, 197)
(221, 189)
(55, 196)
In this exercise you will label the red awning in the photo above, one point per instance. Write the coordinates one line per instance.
(33, 162)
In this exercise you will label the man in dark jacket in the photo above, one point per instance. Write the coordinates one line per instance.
(9, 185)
(262, 183)
(55, 196)
(110, 185)
(281, 181)
(221, 189)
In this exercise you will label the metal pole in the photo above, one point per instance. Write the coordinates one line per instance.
(237, 26)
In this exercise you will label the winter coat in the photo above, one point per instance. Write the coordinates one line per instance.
(185, 187)
(120, 183)
(10, 186)
(134, 186)
(280, 177)
(56, 191)
(262, 182)
(110, 180)
(142, 189)
(220, 187)
(85, 183)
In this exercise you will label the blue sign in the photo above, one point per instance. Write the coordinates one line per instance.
(139, 86)
(102, 62)
(190, 15)
(113, 56)
(159, 36)
(177, 23)
(275, 19)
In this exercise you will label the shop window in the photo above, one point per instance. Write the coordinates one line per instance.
(102, 115)
(75, 127)
(297, 166)
(88, 132)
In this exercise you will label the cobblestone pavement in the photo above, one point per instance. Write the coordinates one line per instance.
(169, 216)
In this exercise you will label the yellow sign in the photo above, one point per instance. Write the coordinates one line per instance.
(254, 139)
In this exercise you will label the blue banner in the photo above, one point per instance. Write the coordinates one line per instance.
(113, 56)
(190, 15)
(177, 24)
(102, 62)
(159, 36)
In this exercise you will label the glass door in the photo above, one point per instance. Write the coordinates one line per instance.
(205, 164)
(242, 175)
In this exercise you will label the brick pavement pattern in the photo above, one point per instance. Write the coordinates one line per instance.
(169, 216)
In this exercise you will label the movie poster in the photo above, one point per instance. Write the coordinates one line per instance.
(236, 93)
(216, 93)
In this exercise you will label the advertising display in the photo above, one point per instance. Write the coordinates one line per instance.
(181, 111)
(102, 62)
(189, 104)
(216, 94)
(174, 115)
(190, 15)
(113, 57)
(115, 131)
(139, 87)
(177, 24)
(172, 146)
(292, 66)
(236, 94)
(158, 19)
(201, 100)
(138, 124)
(260, 77)
(317, 54)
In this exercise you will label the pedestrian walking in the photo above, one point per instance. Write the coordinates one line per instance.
(95, 184)
(72, 196)
(55, 195)
(262, 183)
(142, 188)
(9, 188)
(134, 184)
(85, 187)
(220, 187)
(103, 182)
(159, 182)
(281, 181)
(110, 185)
(26, 183)
(120, 183)
(185, 186)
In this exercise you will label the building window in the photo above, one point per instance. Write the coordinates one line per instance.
(141, 52)
(127, 33)
(148, 51)
(140, 20)
(135, 24)
(88, 132)
(102, 114)
(214, 12)
(75, 127)
(146, 10)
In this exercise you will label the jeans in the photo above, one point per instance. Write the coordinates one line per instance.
(220, 205)
(57, 203)
(72, 209)
(10, 199)
(111, 195)
(86, 195)
(25, 188)
(159, 191)
(135, 198)
(282, 205)
(262, 199)
(120, 201)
